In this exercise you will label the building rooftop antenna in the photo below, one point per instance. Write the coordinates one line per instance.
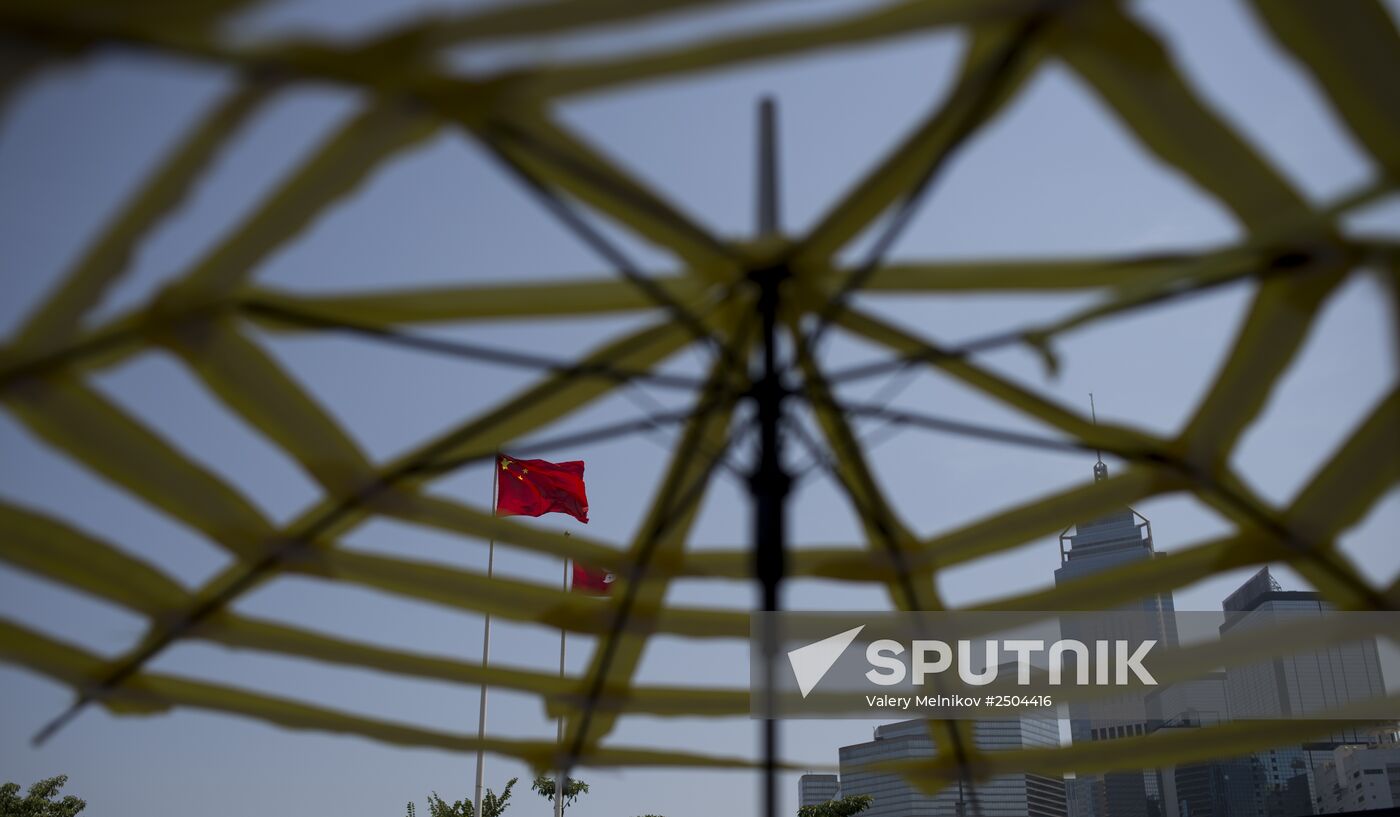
(1100, 469)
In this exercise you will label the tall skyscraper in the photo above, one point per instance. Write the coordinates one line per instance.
(1274, 783)
(1295, 686)
(1019, 795)
(1120, 538)
(1096, 545)
(1291, 686)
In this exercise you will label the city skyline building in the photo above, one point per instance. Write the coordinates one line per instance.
(1018, 795)
(1358, 778)
(1119, 538)
(1288, 781)
(1296, 685)
(1293, 686)
(815, 789)
(1208, 789)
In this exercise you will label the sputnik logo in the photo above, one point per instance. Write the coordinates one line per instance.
(812, 662)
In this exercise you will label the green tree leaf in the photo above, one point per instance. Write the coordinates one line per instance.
(845, 807)
(573, 789)
(41, 801)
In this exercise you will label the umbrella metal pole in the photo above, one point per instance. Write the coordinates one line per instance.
(769, 483)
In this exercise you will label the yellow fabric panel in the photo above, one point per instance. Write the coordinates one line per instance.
(634, 601)
(896, 19)
(1353, 51)
(84, 425)
(999, 60)
(1134, 74)
(255, 386)
(1292, 250)
(530, 141)
(149, 693)
(51, 548)
(333, 171)
(486, 302)
(108, 256)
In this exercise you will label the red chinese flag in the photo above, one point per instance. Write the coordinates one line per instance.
(535, 487)
(591, 580)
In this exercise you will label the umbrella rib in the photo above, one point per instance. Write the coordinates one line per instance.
(619, 187)
(878, 516)
(1235, 496)
(863, 509)
(1122, 62)
(999, 74)
(607, 250)
(1281, 264)
(964, 429)
(597, 434)
(674, 511)
(661, 525)
(464, 349)
(257, 570)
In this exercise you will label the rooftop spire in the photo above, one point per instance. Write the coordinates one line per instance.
(1100, 469)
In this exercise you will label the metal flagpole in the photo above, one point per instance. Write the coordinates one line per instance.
(486, 637)
(561, 775)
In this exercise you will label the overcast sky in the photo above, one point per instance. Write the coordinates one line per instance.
(1054, 174)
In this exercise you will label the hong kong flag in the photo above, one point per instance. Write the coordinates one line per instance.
(535, 487)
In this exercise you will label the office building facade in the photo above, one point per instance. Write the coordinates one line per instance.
(814, 789)
(1295, 686)
(1358, 778)
(1122, 537)
(1019, 795)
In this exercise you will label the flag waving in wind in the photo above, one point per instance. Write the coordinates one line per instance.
(593, 581)
(535, 487)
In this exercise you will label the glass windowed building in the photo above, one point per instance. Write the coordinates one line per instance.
(813, 789)
(1019, 795)
(1119, 538)
(1295, 685)
(1359, 778)
(1290, 686)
